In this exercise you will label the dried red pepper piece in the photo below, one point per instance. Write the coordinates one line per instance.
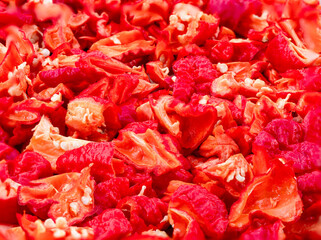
(310, 182)
(147, 151)
(264, 227)
(291, 57)
(56, 35)
(37, 229)
(189, 123)
(47, 141)
(235, 173)
(191, 71)
(68, 195)
(92, 118)
(185, 226)
(30, 166)
(232, 13)
(305, 156)
(144, 13)
(219, 144)
(312, 124)
(207, 209)
(97, 65)
(109, 193)
(111, 224)
(11, 59)
(274, 193)
(8, 201)
(98, 154)
(307, 227)
(286, 132)
(143, 213)
(125, 46)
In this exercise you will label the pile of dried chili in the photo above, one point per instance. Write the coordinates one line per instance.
(160, 119)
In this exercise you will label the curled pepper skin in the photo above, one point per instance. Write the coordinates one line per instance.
(207, 209)
(160, 119)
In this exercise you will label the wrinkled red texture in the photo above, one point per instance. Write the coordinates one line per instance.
(310, 182)
(100, 154)
(30, 166)
(190, 72)
(232, 12)
(312, 125)
(68, 76)
(143, 212)
(109, 193)
(7, 152)
(286, 132)
(189, 123)
(282, 55)
(208, 210)
(111, 224)
(304, 156)
(122, 88)
(148, 151)
(307, 78)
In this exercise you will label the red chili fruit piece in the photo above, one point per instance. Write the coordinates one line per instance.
(111, 224)
(208, 210)
(100, 154)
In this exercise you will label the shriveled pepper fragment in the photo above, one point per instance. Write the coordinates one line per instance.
(291, 57)
(235, 173)
(125, 46)
(36, 229)
(8, 201)
(98, 154)
(147, 151)
(143, 212)
(185, 226)
(111, 224)
(30, 166)
(92, 117)
(207, 209)
(189, 123)
(49, 143)
(68, 195)
(274, 193)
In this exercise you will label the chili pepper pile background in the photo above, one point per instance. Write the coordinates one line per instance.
(158, 119)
